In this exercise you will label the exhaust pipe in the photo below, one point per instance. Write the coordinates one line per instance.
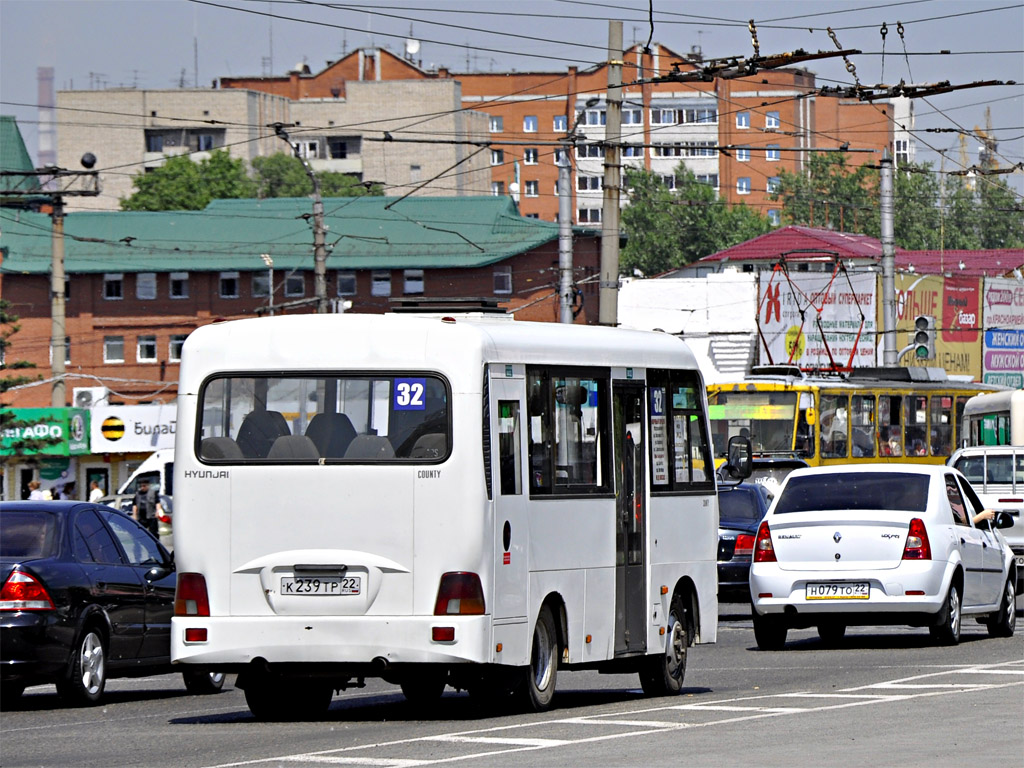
(380, 665)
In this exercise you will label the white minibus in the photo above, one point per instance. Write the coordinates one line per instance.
(439, 501)
(995, 418)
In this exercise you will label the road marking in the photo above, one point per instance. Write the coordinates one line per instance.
(506, 742)
(384, 762)
(728, 708)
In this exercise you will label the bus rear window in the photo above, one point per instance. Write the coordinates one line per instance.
(364, 418)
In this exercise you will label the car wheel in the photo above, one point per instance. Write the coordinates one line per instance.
(425, 686)
(947, 630)
(87, 672)
(1004, 621)
(831, 634)
(200, 683)
(769, 633)
(662, 674)
(273, 699)
(537, 688)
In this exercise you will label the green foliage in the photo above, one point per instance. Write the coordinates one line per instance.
(668, 229)
(27, 447)
(830, 195)
(181, 184)
(283, 175)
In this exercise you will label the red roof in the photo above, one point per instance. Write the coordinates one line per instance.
(991, 262)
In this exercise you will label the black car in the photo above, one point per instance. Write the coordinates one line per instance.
(87, 594)
(740, 509)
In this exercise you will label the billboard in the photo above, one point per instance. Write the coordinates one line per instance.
(64, 430)
(1003, 344)
(133, 428)
(955, 303)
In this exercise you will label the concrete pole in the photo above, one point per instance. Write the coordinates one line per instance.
(609, 285)
(58, 309)
(319, 247)
(565, 269)
(889, 356)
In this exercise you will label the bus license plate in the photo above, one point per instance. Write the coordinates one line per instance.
(837, 590)
(324, 585)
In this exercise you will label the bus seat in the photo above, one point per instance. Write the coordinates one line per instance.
(219, 448)
(429, 446)
(258, 431)
(293, 447)
(331, 433)
(370, 447)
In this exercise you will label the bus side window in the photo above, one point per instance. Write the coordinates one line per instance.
(509, 448)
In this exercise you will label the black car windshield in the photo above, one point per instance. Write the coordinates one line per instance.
(739, 504)
(850, 491)
(27, 535)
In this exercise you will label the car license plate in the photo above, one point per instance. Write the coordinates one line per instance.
(837, 590)
(324, 585)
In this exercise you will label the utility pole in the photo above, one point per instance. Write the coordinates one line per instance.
(609, 277)
(889, 356)
(319, 246)
(565, 289)
(269, 261)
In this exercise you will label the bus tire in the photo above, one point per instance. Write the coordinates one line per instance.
(424, 686)
(275, 699)
(537, 688)
(662, 674)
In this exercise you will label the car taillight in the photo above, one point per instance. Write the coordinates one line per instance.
(24, 592)
(764, 550)
(459, 593)
(917, 546)
(191, 598)
(744, 544)
(164, 518)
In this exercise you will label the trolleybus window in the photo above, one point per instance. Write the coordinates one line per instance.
(325, 417)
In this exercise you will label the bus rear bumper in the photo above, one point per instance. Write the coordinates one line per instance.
(377, 641)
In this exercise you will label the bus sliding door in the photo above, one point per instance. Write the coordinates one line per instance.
(631, 516)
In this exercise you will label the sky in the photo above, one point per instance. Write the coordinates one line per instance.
(159, 44)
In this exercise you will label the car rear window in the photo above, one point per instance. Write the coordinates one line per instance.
(848, 491)
(739, 504)
(27, 535)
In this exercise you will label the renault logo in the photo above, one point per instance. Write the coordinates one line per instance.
(836, 537)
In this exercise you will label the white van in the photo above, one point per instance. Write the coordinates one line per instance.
(157, 470)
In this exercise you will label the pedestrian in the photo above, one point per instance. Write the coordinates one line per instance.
(95, 492)
(34, 492)
(144, 507)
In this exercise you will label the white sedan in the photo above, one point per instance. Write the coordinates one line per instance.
(880, 544)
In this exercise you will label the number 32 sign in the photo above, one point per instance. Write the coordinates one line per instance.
(410, 394)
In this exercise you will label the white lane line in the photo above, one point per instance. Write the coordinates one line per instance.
(500, 741)
(383, 762)
(729, 708)
(627, 723)
(974, 671)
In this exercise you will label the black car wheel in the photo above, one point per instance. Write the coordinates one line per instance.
(663, 674)
(87, 672)
(769, 633)
(203, 682)
(1004, 621)
(947, 629)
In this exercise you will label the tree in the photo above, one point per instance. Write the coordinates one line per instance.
(668, 229)
(830, 195)
(181, 184)
(283, 175)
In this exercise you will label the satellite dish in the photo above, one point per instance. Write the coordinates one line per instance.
(412, 47)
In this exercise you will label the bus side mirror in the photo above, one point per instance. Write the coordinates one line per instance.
(740, 462)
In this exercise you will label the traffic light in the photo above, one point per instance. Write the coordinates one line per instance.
(924, 337)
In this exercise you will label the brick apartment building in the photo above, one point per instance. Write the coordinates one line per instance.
(769, 120)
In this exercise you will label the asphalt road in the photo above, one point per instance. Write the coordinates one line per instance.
(888, 696)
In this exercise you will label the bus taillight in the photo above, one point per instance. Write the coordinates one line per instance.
(460, 593)
(191, 598)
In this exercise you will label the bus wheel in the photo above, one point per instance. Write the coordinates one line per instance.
(662, 675)
(424, 686)
(538, 685)
(271, 698)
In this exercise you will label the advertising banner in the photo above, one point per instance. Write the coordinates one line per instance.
(955, 303)
(66, 430)
(133, 428)
(804, 318)
(1003, 345)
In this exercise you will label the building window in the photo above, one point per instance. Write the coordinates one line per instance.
(561, 157)
(584, 183)
(743, 185)
(113, 286)
(380, 283)
(530, 124)
(589, 215)
(415, 172)
(773, 153)
(145, 349)
(595, 117)
(154, 142)
(774, 217)
(771, 120)
(113, 349)
(145, 285)
(530, 156)
(902, 147)
(308, 149)
(497, 156)
(337, 148)
(632, 117)
(743, 154)
(560, 123)
(204, 142)
(346, 283)
(497, 188)
(589, 150)
(699, 115)
(533, 188)
(742, 119)
(669, 181)
(229, 285)
(773, 184)
(260, 285)
(174, 348)
(663, 116)
(413, 281)
(295, 284)
(711, 179)
(497, 124)
(629, 150)
(67, 351)
(179, 285)
(503, 280)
